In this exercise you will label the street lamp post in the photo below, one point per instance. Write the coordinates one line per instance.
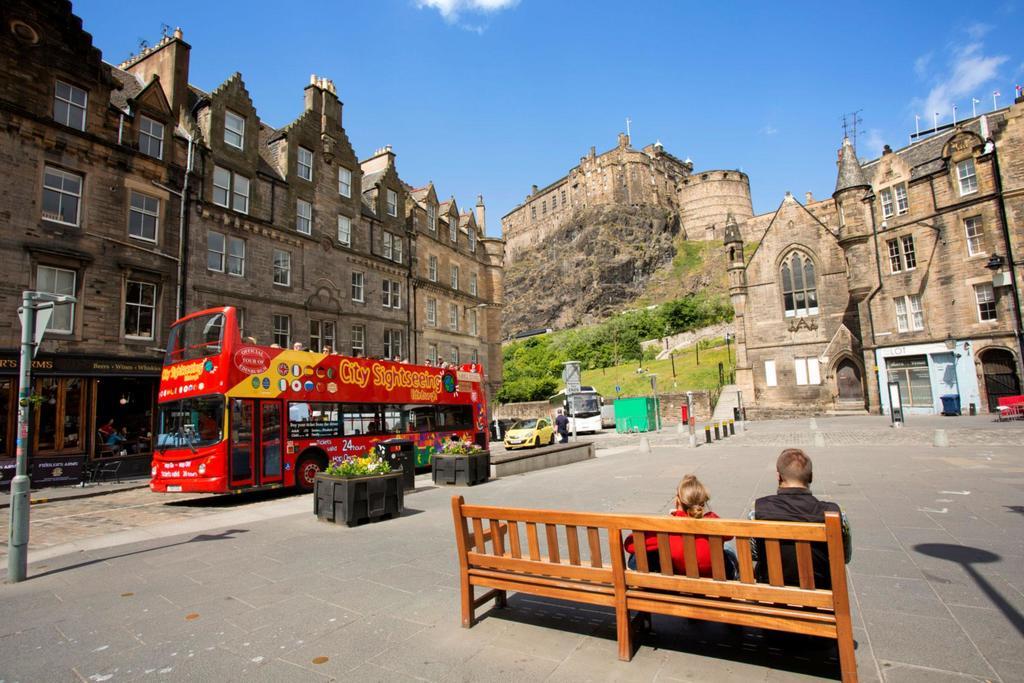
(32, 330)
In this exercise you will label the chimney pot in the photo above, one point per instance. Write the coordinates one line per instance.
(178, 33)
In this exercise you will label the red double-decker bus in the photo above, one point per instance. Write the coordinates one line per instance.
(235, 416)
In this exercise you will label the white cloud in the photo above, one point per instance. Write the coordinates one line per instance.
(969, 69)
(452, 9)
(921, 65)
(977, 30)
(768, 129)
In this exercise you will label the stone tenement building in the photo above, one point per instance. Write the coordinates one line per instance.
(909, 274)
(628, 177)
(311, 243)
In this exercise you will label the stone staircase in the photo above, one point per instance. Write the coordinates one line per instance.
(727, 400)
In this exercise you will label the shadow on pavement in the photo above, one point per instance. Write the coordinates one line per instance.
(967, 557)
(222, 536)
(229, 500)
(798, 654)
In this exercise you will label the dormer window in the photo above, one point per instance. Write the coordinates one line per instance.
(234, 129)
(965, 173)
(431, 218)
(799, 292)
(392, 198)
(151, 137)
(69, 105)
(472, 241)
(453, 228)
(304, 164)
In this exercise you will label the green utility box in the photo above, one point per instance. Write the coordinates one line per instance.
(637, 414)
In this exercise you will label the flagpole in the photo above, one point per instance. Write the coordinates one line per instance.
(974, 107)
(995, 98)
(917, 126)
(954, 114)
(935, 118)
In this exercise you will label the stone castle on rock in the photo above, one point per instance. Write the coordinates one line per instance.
(625, 176)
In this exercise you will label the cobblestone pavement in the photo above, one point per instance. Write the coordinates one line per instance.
(65, 521)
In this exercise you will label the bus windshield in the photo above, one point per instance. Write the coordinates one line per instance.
(195, 338)
(586, 405)
(191, 422)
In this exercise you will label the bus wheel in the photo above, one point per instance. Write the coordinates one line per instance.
(306, 470)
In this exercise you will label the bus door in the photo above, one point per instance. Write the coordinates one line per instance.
(270, 446)
(240, 443)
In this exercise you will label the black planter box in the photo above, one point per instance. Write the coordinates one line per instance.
(462, 470)
(358, 500)
(400, 453)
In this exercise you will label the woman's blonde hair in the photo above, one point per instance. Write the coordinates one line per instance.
(693, 497)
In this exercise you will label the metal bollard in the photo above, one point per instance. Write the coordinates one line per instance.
(707, 433)
(717, 435)
(725, 429)
(732, 427)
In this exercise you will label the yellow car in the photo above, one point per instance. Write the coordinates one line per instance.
(529, 433)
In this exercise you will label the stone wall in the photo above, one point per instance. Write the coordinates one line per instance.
(522, 411)
(707, 198)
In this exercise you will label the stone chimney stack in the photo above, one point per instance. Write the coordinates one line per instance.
(168, 60)
(808, 198)
(623, 140)
(313, 92)
(481, 214)
(322, 97)
(533, 190)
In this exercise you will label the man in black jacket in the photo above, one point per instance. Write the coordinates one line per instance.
(793, 502)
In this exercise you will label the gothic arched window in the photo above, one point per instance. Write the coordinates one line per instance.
(799, 292)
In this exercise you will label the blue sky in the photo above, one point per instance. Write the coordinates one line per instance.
(491, 96)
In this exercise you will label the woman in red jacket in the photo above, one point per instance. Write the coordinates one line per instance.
(691, 500)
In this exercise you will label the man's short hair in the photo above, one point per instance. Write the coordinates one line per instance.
(794, 465)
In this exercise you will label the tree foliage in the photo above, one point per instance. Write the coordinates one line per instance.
(533, 366)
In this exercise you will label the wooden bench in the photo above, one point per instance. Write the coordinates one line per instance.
(578, 556)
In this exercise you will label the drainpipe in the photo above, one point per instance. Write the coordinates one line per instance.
(1018, 331)
(183, 215)
(871, 295)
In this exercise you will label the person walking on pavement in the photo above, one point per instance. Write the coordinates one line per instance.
(562, 426)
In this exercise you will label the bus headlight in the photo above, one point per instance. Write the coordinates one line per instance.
(202, 468)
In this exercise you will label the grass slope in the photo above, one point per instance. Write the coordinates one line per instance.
(689, 376)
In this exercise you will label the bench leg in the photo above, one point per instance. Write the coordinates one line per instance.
(468, 611)
(847, 653)
(501, 599)
(624, 632)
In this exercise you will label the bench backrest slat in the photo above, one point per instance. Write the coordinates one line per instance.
(479, 541)
(717, 557)
(639, 545)
(773, 554)
(594, 540)
(745, 560)
(497, 537)
(531, 539)
(805, 564)
(513, 539)
(690, 556)
(551, 531)
(572, 540)
(665, 554)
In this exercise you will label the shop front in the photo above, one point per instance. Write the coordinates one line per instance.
(86, 409)
(927, 372)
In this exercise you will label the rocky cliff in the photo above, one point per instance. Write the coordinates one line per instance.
(596, 263)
